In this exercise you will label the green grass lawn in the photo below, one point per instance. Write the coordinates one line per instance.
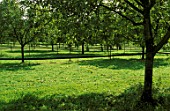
(93, 84)
(46, 51)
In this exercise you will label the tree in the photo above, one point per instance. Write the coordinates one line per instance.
(25, 23)
(76, 16)
(146, 18)
(144, 10)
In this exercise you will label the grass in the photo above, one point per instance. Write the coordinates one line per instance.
(45, 52)
(93, 84)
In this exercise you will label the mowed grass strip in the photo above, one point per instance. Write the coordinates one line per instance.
(76, 78)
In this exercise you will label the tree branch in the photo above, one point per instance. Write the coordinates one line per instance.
(16, 35)
(139, 3)
(163, 41)
(124, 16)
(129, 19)
(134, 7)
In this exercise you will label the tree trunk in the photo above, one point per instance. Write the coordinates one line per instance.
(70, 48)
(101, 46)
(118, 46)
(59, 45)
(22, 53)
(57, 48)
(52, 46)
(83, 47)
(149, 42)
(147, 91)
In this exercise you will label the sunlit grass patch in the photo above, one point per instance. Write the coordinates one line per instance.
(98, 81)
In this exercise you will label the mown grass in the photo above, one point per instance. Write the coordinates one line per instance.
(93, 84)
(80, 84)
(46, 51)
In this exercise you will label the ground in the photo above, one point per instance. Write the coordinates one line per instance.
(81, 84)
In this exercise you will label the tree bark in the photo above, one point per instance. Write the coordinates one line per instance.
(82, 47)
(59, 45)
(143, 52)
(147, 91)
(149, 42)
(52, 46)
(22, 53)
(101, 46)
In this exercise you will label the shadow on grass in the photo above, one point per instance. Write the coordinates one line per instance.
(46, 51)
(127, 101)
(31, 51)
(88, 51)
(118, 63)
(53, 55)
(17, 66)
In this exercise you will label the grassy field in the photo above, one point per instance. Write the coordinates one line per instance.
(93, 84)
(46, 51)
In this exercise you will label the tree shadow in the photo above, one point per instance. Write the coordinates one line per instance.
(17, 66)
(119, 63)
(30, 51)
(61, 55)
(129, 100)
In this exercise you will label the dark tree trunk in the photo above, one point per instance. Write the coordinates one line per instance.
(22, 53)
(59, 45)
(147, 91)
(52, 47)
(70, 48)
(101, 45)
(119, 47)
(82, 48)
(149, 42)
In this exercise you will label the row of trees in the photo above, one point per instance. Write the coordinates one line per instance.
(144, 22)
(37, 21)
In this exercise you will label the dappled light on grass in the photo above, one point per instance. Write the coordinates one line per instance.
(94, 84)
(129, 100)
